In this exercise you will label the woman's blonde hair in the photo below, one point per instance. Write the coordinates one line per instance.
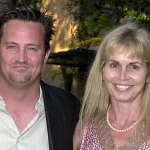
(96, 98)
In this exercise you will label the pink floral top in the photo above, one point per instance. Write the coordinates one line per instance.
(145, 146)
(91, 141)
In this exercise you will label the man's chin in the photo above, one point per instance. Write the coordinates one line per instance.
(20, 81)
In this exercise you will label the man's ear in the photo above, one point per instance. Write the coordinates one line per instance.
(46, 56)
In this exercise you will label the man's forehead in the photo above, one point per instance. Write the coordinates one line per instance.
(22, 24)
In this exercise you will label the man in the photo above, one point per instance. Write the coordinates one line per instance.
(33, 115)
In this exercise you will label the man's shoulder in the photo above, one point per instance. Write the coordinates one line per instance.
(55, 90)
(58, 96)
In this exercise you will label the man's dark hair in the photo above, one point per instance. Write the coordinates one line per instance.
(26, 13)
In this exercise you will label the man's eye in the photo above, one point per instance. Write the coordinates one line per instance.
(32, 49)
(11, 47)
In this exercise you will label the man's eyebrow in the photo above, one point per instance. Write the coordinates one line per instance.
(10, 42)
(30, 44)
(33, 44)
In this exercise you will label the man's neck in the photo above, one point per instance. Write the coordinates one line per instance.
(20, 103)
(26, 96)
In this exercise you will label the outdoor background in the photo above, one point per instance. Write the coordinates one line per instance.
(80, 25)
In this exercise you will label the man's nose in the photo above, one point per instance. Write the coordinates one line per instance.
(21, 56)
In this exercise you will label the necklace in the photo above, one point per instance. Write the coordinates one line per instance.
(115, 128)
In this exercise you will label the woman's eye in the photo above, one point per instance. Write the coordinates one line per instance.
(134, 67)
(114, 65)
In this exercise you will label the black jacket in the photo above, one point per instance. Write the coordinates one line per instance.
(62, 110)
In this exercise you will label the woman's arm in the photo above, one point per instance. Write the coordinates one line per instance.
(77, 138)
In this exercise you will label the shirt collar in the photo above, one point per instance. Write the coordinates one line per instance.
(2, 101)
(39, 105)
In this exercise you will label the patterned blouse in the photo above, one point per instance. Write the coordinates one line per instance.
(92, 141)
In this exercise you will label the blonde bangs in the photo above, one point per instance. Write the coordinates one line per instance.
(133, 49)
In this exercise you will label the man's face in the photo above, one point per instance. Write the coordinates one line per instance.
(22, 52)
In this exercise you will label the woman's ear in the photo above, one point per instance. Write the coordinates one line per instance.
(148, 73)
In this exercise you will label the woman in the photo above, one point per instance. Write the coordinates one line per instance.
(115, 112)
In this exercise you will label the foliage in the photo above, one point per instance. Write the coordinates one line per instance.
(94, 41)
(92, 25)
(140, 15)
(96, 16)
(33, 3)
(90, 21)
(68, 75)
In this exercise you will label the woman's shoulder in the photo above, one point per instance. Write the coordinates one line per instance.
(77, 138)
(87, 138)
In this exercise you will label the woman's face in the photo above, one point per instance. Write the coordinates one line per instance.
(125, 77)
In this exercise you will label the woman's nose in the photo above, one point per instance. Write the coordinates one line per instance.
(123, 74)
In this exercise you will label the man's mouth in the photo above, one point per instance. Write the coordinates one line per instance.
(20, 67)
